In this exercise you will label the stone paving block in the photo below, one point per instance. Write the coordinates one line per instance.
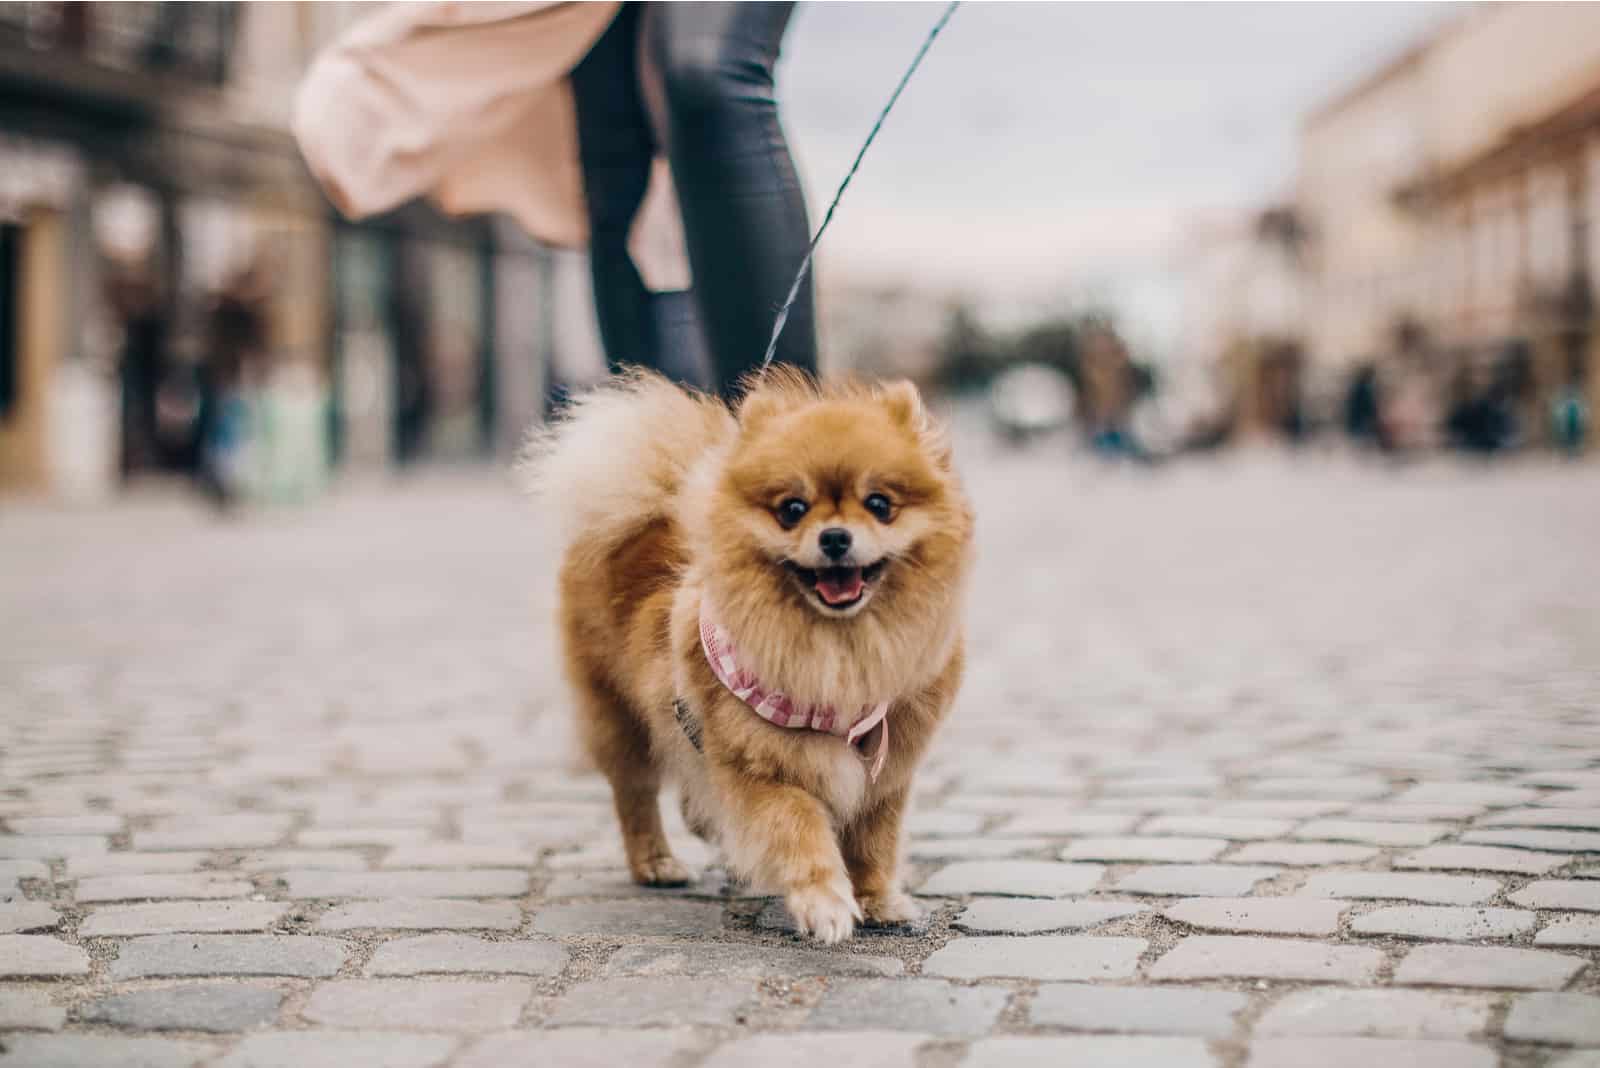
(421, 914)
(1136, 1009)
(1194, 880)
(339, 837)
(284, 860)
(945, 824)
(99, 1051)
(1481, 858)
(1446, 924)
(685, 919)
(924, 1005)
(1260, 915)
(714, 884)
(1473, 793)
(418, 1004)
(13, 870)
(29, 1008)
(1058, 821)
(1557, 1019)
(1301, 854)
(1576, 1059)
(169, 917)
(862, 1049)
(1394, 812)
(1576, 894)
(1378, 885)
(1012, 878)
(1337, 1011)
(1065, 957)
(1032, 916)
(50, 846)
(1582, 819)
(490, 882)
(253, 836)
(212, 954)
(582, 1047)
(641, 1002)
(711, 959)
(1233, 829)
(459, 855)
(1237, 957)
(1275, 809)
(81, 823)
(1372, 832)
(27, 916)
(1016, 1051)
(1333, 789)
(1133, 848)
(144, 887)
(40, 957)
(99, 864)
(219, 1007)
(442, 954)
(973, 848)
(1570, 931)
(333, 1049)
(1502, 968)
(1343, 1052)
(1554, 841)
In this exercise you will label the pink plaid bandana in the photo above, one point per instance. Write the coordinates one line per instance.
(779, 709)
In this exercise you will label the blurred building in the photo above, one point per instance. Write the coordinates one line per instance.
(1451, 196)
(146, 171)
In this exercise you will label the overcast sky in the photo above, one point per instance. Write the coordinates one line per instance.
(1049, 145)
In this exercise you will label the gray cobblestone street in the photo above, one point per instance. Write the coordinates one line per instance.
(1262, 761)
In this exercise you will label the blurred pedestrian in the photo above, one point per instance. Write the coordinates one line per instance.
(555, 114)
(233, 374)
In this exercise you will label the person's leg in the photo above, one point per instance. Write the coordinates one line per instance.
(615, 147)
(709, 85)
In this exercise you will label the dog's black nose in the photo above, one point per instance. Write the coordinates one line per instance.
(835, 542)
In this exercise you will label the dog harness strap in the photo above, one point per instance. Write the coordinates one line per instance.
(779, 708)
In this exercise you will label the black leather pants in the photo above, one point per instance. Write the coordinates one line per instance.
(694, 81)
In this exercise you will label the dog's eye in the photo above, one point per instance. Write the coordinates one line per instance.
(880, 507)
(792, 511)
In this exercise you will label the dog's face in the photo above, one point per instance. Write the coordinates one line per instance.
(840, 503)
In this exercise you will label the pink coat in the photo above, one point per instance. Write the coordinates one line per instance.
(469, 104)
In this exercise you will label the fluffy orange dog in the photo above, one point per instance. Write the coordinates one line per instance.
(764, 606)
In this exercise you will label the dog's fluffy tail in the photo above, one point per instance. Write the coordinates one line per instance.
(615, 457)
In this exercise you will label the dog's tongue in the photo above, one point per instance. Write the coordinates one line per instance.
(839, 585)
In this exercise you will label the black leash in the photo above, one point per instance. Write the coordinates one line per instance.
(805, 264)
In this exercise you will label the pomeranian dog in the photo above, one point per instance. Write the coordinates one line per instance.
(764, 606)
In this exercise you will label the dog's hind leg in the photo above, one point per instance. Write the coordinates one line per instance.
(620, 744)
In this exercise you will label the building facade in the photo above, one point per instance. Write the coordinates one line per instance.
(1451, 197)
(149, 186)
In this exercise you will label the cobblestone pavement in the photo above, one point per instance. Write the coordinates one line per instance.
(1261, 762)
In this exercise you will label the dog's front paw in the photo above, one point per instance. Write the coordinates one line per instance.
(824, 912)
(889, 909)
(661, 870)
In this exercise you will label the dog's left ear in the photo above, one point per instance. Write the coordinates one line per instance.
(904, 403)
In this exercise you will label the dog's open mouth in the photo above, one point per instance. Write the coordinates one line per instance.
(838, 587)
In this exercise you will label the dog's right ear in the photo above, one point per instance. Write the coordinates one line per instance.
(771, 392)
(759, 406)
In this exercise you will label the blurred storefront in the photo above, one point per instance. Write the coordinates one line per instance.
(161, 245)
